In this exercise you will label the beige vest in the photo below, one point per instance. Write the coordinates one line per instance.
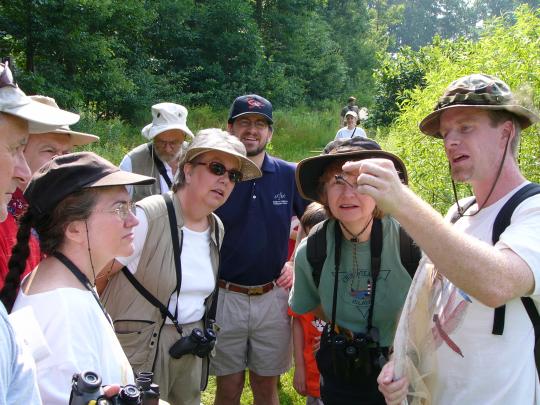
(143, 163)
(137, 322)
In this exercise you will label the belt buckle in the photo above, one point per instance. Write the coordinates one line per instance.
(255, 291)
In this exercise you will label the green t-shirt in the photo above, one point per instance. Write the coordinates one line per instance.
(353, 289)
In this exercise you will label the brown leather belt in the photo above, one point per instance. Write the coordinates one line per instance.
(259, 290)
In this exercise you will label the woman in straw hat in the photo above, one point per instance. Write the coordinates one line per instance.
(80, 208)
(161, 300)
(360, 284)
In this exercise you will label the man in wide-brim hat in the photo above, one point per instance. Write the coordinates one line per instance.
(479, 122)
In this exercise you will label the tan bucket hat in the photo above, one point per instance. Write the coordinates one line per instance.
(214, 139)
(77, 138)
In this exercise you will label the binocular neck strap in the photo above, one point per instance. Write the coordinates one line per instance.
(83, 280)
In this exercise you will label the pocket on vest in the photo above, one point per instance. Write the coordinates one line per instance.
(135, 338)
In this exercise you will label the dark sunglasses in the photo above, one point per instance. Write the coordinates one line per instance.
(6, 77)
(235, 176)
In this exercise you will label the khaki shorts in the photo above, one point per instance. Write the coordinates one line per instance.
(254, 333)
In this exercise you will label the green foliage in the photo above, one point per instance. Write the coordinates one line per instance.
(397, 74)
(511, 52)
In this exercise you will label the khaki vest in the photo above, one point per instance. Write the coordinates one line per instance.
(137, 322)
(143, 163)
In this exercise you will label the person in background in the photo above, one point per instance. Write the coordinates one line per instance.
(350, 130)
(43, 144)
(351, 106)
(158, 158)
(254, 328)
(307, 328)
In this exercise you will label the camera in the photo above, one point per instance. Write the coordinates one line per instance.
(198, 343)
(351, 357)
(86, 388)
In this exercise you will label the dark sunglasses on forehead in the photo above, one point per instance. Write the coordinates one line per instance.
(219, 169)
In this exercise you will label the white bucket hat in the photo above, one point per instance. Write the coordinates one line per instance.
(77, 138)
(13, 101)
(166, 116)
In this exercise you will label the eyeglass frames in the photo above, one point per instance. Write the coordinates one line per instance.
(219, 169)
(122, 210)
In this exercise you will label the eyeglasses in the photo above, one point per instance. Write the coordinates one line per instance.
(259, 124)
(6, 77)
(163, 144)
(122, 210)
(218, 169)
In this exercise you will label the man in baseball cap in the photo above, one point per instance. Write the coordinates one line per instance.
(43, 144)
(479, 269)
(167, 135)
(254, 271)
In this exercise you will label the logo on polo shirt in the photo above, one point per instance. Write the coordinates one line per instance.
(280, 199)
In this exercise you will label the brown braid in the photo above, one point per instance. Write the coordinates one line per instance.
(17, 262)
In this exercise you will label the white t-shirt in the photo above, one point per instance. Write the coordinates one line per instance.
(346, 133)
(484, 368)
(126, 165)
(80, 338)
(197, 275)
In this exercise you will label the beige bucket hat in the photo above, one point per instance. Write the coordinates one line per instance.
(166, 116)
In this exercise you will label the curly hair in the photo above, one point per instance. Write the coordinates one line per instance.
(51, 231)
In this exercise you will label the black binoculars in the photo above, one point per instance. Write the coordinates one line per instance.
(351, 358)
(198, 343)
(86, 387)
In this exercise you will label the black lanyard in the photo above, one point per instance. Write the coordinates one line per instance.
(159, 164)
(82, 278)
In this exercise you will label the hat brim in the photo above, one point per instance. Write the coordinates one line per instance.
(266, 117)
(430, 124)
(122, 178)
(311, 169)
(77, 138)
(249, 169)
(151, 131)
(40, 113)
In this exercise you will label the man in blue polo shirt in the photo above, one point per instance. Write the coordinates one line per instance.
(254, 328)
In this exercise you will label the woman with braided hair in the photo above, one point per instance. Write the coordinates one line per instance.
(82, 213)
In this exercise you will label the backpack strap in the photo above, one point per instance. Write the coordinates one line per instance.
(409, 252)
(376, 250)
(316, 250)
(501, 223)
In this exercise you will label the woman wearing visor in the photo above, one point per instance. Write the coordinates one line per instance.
(161, 299)
(82, 213)
(350, 273)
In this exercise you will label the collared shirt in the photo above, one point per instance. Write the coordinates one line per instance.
(257, 219)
